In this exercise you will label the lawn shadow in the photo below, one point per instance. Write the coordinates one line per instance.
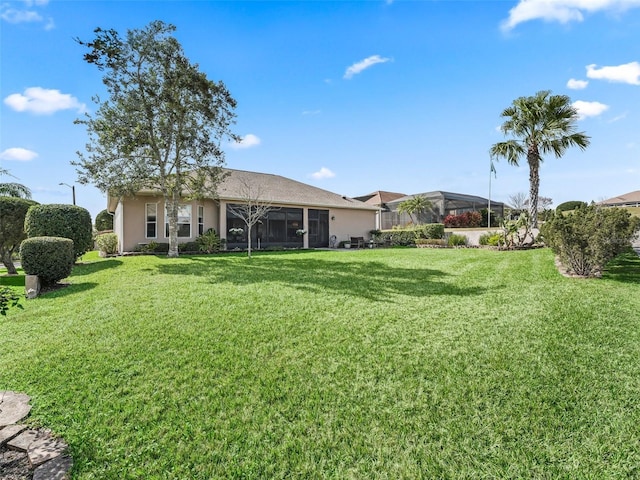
(369, 279)
(624, 268)
(93, 267)
(63, 289)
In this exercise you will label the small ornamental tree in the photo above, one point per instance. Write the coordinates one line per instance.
(13, 211)
(586, 239)
(104, 221)
(67, 221)
(50, 258)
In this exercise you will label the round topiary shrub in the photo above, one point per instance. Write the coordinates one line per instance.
(50, 258)
(570, 205)
(104, 221)
(67, 221)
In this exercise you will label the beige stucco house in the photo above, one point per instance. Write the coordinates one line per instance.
(326, 217)
(631, 199)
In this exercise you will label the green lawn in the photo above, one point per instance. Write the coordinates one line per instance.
(371, 364)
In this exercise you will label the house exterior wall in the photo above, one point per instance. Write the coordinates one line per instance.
(344, 223)
(130, 221)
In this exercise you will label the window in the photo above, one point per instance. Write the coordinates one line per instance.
(151, 210)
(184, 221)
(200, 219)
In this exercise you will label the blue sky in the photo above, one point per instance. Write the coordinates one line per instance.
(351, 97)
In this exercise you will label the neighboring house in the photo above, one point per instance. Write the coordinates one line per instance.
(631, 199)
(444, 203)
(322, 214)
(380, 199)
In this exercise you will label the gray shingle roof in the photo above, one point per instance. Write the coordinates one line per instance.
(281, 190)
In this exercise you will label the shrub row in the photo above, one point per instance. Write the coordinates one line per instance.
(464, 220)
(586, 239)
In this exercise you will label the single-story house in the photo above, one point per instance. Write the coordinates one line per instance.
(380, 199)
(443, 204)
(326, 217)
(631, 199)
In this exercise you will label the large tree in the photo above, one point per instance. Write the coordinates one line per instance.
(162, 125)
(13, 189)
(540, 124)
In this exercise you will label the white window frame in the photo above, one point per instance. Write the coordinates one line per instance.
(200, 219)
(147, 222)
(166, 220)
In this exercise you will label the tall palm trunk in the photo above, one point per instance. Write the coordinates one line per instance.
(533, 158)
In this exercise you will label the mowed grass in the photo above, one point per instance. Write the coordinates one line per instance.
(371, 364)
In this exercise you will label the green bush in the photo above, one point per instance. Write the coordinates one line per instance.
(430, 230)
(152, 247)
(107, 243)
(491, 239)
(13, 211)
(398, 237)
(8, 298)
(190, 247)
(104, 221)
(50, 258)
(586, 239)
(570, 205)
(431, 241)
(209, 242)
(456, 240)
(67, 221)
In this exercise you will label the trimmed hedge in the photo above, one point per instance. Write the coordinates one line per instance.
(50, 258)
(13, 211)
(67, 221)
(408, 236)
(104, 221)
(570, 205)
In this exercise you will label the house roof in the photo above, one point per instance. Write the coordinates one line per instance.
(281, 190)
(238, 185)
(380, 197)
(449, 197)
(631, 197)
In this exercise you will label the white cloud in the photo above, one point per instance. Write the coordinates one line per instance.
(627, 73)
(589, 109)
(363, 65)
(248, 141)
(26, 15)
(322, 174)
(12, 15)
(42, 101)
(19, 154)
(563, 11)
(311, 112)
(574, 84)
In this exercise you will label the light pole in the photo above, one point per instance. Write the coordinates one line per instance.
(73, 190)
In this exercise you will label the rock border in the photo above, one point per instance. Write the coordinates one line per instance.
(33, 454)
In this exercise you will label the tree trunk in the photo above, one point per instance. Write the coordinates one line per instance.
(8, 263)
(172, 217)
(249, 239)
(533, 159)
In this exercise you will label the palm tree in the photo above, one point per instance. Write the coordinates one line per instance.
(417, 205)
(12, 189)
(541, 124)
